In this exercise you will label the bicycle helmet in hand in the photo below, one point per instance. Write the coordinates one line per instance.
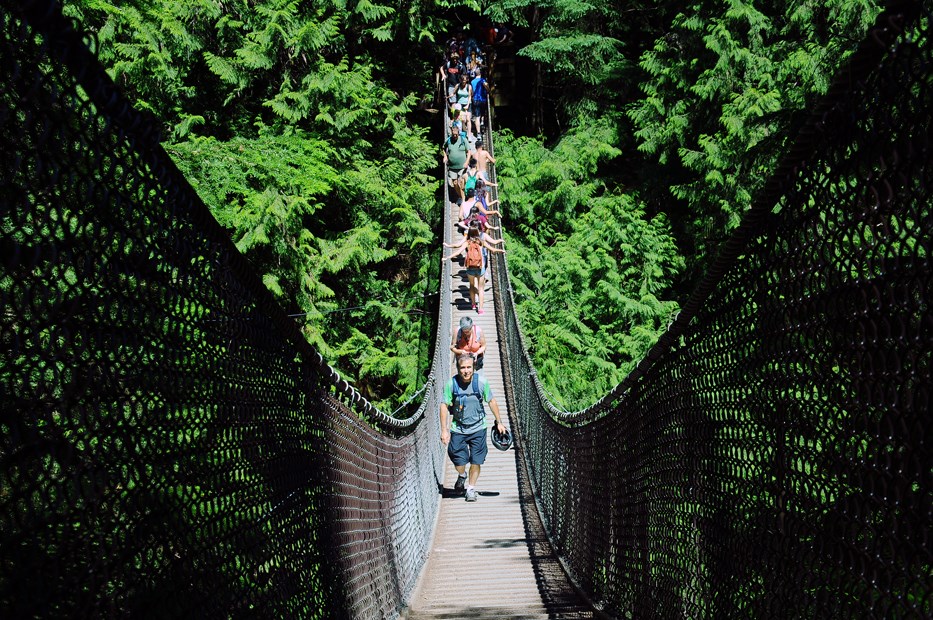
(502, 441)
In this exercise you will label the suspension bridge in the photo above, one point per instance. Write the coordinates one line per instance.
(172, 446)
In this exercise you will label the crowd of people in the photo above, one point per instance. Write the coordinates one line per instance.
(464, 74)
(467, 159)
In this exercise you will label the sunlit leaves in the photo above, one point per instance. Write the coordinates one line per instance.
(278, 114)
(587, 264)
(724, 85)
(590, 58)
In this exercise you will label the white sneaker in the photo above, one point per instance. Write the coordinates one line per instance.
(471, 495)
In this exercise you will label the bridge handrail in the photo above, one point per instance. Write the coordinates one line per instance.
(763, 460)
(76, 54)
(270, 443)
(890, 24)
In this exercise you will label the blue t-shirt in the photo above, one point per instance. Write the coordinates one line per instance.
(470, 415)
(479, 89)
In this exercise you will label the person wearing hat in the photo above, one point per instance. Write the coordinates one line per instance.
(463, 423)
(469, 340)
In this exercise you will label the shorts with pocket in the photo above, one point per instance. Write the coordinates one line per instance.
(471, 448)
(453, 175)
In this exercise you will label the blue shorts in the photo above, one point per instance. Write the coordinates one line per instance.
(471, 448)
(475, 271)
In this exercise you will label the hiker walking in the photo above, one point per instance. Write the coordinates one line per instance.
(450, 72)
(483, 158)
(463, 423)
(473, 208)
(464, 97)
(456, 152)
(469, 339)
(473, 245)
(480, 99)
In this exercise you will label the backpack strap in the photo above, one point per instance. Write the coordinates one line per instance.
(459, 394)
(475, 385)
(477, 334)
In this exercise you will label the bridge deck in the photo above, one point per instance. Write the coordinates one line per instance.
(487, 561)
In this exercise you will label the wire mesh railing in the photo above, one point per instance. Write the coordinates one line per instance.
(771, 455)
(171, 445)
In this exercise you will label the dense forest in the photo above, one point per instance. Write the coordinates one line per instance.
(638, 134)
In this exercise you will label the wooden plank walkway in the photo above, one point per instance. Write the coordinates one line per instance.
(487, 561)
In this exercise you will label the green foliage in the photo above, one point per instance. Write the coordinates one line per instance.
(587, 51)
(280, 114)
(722, 91)
(266, 190)
(231, 63)
(591, 58)
(326, 238)
(589, 268)
(706, 93)
(285, 116)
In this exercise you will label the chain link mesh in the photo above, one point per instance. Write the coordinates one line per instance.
(770, 456)
(171, 446)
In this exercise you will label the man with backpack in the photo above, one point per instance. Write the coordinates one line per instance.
(480, 99)
(465, 434)
(456, 153)
(469, 340)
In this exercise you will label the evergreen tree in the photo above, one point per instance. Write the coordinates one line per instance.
(722, 94)
(589, 268)
(585, 54)
(279, 113)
